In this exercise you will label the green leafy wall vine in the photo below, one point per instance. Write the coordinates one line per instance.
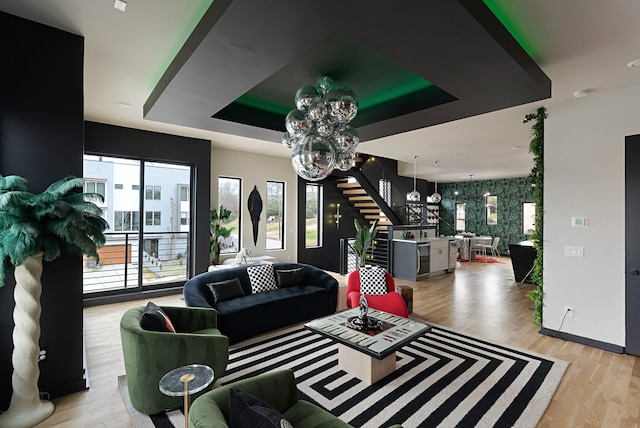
(536, 147)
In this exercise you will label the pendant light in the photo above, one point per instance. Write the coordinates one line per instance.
(436, 197)
(414, 196)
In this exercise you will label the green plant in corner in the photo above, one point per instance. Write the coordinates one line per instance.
(34, 227)
(364, 240)
(217, 232)
(536, 147)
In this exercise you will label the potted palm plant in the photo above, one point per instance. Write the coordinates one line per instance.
(364, 240)
(33, 228)
(217, 232)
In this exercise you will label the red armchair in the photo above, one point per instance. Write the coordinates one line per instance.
(391, 302)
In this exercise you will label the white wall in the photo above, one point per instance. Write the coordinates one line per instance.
(584, 177)
(256, 170)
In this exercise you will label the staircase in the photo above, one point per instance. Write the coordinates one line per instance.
(370, 211)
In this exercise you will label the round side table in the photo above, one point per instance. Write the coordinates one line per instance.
(184, 381)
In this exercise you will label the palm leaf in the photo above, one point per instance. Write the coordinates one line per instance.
(12, 183)
(59, 220)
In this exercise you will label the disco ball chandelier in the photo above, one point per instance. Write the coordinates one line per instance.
(318, 130)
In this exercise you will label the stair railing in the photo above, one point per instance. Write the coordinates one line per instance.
(349, 260)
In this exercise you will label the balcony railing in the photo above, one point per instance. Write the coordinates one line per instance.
(123, 265)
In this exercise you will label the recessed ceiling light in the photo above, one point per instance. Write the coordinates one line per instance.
(634, 63)
(120, 5)
(516, 147)
(123, 104)
(580, 94)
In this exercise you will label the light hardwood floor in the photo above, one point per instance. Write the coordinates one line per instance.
(599, 389)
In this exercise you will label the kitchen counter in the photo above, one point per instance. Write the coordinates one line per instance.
(416, 259)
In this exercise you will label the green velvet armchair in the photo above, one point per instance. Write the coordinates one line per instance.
(278, 389)
(149, 355)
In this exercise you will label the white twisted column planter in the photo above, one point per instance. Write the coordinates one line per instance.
(26, 408)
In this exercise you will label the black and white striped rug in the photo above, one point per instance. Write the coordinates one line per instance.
(442, 379)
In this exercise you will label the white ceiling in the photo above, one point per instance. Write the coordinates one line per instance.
(579, 44)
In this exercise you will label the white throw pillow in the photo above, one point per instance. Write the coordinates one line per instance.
(262, 278)
(372, 280)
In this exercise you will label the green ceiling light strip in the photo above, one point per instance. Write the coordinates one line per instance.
(259, 104)
(511, 25)
(536, 147)
(408, 86)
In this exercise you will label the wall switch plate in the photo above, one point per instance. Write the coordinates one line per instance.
(573, 251)
(578, 221)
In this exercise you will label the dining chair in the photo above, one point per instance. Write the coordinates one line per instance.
(493, 248)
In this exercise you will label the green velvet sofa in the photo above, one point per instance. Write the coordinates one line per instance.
(149, 355)
(278, 389)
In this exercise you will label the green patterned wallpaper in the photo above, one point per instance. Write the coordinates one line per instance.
(511, 193)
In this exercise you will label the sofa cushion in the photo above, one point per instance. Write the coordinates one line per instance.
(262, 278)
(247, 411)
(225, 290)
(154, 319)
(372, 280)
(289, 277)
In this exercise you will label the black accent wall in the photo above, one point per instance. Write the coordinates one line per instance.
(327, 256)
(41, 139)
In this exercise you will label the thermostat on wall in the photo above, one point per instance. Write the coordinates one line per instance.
(579, 221)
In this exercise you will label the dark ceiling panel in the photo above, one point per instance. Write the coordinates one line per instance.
(413, 64)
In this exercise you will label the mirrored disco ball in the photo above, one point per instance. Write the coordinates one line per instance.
(289, 141)
(317, 111)
(313, 158)
(297, 123)
(346, 138)
(324, 128)
(324, 84)
(344, 161)
(306, 96)
(342, 104)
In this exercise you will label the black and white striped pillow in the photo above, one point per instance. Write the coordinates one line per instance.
(372, 280)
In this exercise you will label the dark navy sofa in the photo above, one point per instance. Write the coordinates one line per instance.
(252, 314)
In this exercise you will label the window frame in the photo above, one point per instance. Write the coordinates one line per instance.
(528, 208)
(319, 214)
(491, 204)
(462, 219)
(155, 190)
(238, 227)
(281, 215)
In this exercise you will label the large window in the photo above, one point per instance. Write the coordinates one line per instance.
(229, 191)
(313, 207)
(130, 258)
(461, 215)
(275, 215)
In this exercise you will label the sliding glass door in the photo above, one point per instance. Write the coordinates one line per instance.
(147, 206)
